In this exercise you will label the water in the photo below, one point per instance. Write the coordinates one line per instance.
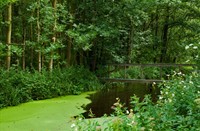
(102, 101)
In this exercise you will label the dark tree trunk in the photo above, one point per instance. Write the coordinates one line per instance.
(165, 38)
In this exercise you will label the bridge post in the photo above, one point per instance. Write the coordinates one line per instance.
(108, 71)
(125, 71)
(141, 72)
(160, 72)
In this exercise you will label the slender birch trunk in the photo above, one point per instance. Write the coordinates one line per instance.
(54, 35)
(38, 37)
(9, 33)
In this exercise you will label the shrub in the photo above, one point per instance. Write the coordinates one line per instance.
(19, 86)
(178, 108)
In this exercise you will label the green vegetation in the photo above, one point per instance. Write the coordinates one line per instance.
(51, 48)
(39, 34)
(178, 108)
(44, 115)
(21, 86)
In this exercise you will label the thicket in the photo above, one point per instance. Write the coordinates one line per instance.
(19, 86)
(177, 109)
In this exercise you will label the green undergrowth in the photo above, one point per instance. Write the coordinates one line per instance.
(19, 86)
(177, 109)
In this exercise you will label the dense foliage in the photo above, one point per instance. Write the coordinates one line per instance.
(21, 86)
(56, 33)
(178, 108)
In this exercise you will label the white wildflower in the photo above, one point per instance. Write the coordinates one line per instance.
(195, 47)
(187, 47)
(80, 119)
(73, 125)
(180, 73)
(173, 95)
(187, 61)
(167, 75)
(170, 100)
(160, 97)
(191, 82)
(166, 93)
(190, 44)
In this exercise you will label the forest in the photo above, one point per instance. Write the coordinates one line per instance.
(52, 48)
(49, 34)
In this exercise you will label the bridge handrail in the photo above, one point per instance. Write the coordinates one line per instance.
(126, 66)
(153, 65)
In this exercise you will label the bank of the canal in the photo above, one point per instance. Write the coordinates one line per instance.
(44, 115)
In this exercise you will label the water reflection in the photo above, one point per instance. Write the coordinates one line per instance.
(102, 101)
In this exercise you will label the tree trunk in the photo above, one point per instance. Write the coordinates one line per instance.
(24, 46)
(38, 37)
(69, 42)
(8, 58)
(156, 35)
(165, 37)
(31, 38)
(53, 37)
(69, 53)
(130, 43)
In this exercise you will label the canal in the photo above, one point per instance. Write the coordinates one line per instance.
(102, 101)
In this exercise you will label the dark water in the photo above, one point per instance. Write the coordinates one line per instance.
(102, 101)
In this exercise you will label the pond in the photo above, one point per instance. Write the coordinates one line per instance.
(102, 101)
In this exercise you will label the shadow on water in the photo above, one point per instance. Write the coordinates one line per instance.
(102, 101)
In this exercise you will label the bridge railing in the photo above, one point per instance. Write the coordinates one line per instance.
(116, 67)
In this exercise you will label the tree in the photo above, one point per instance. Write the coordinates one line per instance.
(9, 32)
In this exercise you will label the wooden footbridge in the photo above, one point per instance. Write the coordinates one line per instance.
(125, 77)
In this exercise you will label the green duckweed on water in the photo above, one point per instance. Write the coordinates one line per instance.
(44, 115)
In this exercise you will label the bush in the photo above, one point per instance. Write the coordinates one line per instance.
(22, 86)
(178, 108)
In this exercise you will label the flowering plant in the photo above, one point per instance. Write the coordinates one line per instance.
(177, 108)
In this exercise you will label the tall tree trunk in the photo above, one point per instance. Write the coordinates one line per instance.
(38, 37)
(54, 2)
(165, 37)
(24, 46)
(31, 38)
(130, 43)
(156, 34)
(9, 32)
(69, 41)
(69, 53)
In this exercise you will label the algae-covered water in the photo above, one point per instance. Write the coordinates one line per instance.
(57, 114)
(44, 115)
